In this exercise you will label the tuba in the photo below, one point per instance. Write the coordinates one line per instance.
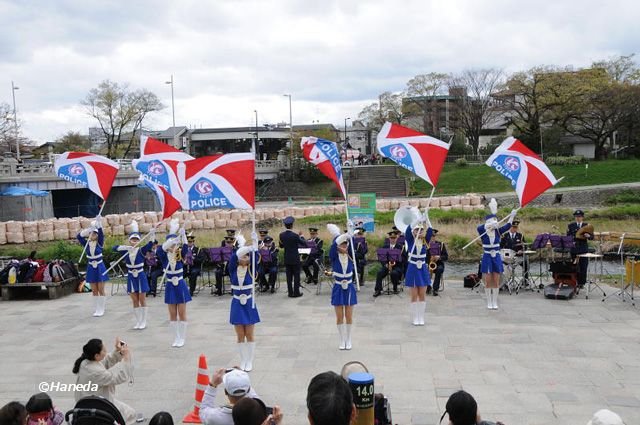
(586, 229)
(406, 217)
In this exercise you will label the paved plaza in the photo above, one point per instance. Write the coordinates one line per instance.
(535, 361)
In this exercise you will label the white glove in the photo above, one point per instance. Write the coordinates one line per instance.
(254, 236)
(512, 215)
(425, 218)
(183, 236)
(169, 243)
(85, 233)
(98, 222)
(254, 245)
(350, 227)
(152, 234)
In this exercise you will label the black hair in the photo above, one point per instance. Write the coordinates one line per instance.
(329, 399)
(462, 408)
(40, 402)
(288, 226)
(161, 418)
(249, 411)
(89, 351)
(13, 413)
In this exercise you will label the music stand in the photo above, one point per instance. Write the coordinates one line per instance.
(623, 293)
(592, 282)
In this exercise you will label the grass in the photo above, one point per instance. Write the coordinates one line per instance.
(478, 177)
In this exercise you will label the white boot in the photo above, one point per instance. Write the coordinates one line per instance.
(251, 349)
(243, 356)
(103, 305)
(347, 345)
(414, 313)
(422, 305)
(182, 333)
(494, 300)
(136, 312)
(143, 317)
(96, 305)
(174, 328)
(343, 342)
(489, 292)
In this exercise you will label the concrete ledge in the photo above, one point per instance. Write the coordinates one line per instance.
(54, 289)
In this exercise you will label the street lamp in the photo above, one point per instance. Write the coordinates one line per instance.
(290, 127)
(255, 140)
(345, 131)
(173, 110)
(15, 119)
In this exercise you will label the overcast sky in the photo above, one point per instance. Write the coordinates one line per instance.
(230, 58)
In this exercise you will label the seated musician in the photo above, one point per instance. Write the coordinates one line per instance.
(153, 268)
(309, 261)
(514, 241)
(268, 266)
(361, 250)
(390, 267)
(193, 259)
(438, 253)
(262, 233)
(231, 233)
(222, 270)
(581, 246)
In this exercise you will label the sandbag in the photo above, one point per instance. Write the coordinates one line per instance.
(3, 238)
(208, 223)
(73, 227)
(61, 234)
(232, 223)
(235, 215)
(200, 215)
(145, 227)
(455, 201)
(14, 226)
(15, 237)
(465, 200)
(196, 224)
(220, 223)
(117, 230)
(445, 201)
(45, 235)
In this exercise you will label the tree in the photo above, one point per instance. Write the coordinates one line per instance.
(387, 108)
(9, 130)
(478, 106)
(120, 112)
(72, 141)
(422, 92)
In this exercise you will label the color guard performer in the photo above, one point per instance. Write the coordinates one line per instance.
(343, 294)
(437, 255)
(137, 283)
(95, 265)
(417, 276)
(581, 246)
(491, 266)
(176, 294)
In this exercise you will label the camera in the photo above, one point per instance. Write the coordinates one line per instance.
(122, 343)
(269, 410)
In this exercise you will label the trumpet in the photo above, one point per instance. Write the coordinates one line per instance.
(390, 265)
(328, 272)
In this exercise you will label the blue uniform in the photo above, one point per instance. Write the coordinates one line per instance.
(176, 291)
(95, 265)
(491, 258)
(344, 287)
(135, 260)
(417, 270)
(243, 309)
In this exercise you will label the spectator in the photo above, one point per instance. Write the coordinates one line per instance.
(252, 411)
(329, 400)
(605, 417)
(236, 386)
(161, 418)
(100, 372)
(463, 410)
(41, 411)
(13, 413)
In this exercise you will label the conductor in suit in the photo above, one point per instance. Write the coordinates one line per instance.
(581, 245)
(291, 241)
(514, 240)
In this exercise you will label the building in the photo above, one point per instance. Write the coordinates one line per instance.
(580, 146)
(174, 136)
(97, 138)
(269, 141)
(358, 137)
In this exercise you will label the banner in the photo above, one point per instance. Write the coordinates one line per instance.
(362, 210)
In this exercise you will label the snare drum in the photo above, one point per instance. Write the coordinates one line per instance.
(508, 255)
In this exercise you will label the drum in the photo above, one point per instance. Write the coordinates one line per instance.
(632, 271)
(508, 255)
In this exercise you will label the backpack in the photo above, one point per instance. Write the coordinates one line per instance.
(46, 275)
(381, 410)
(69, 269)
(7, 270)
(39, 274)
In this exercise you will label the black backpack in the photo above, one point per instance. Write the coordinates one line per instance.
(381, 410)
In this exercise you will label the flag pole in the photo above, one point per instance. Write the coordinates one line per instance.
(126, 253)
(478, 237)
(353, 251)
(253, 257)
(87, 243)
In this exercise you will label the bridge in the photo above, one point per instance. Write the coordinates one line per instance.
(40, 176)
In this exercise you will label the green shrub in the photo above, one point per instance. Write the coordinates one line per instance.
(565, 160)
(624, 197)
(461, 162)
(457, 242)
(64, 250)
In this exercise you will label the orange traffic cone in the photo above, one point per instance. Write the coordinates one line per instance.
(201, 384)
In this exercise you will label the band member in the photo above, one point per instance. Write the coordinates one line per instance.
(95, 265)
(343, 294)
(361, 250)
(192, 262)
(581, 246)
(262, 233)
(315, 243)
(514, 241)
(231, 234)
(491, 260)
(437, 254)
(417, 276)
(153, 268)
(268, 268)
(230, 243)
(392, 268)
(176, 294)
(137, 284)
(244, 313)
(291, 241)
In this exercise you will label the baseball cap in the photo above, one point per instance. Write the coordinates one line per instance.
(236, 383)
(605, 417)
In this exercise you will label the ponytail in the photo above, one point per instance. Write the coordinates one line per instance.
(89, 351)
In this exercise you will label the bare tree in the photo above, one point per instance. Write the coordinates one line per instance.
(9, 130)
(119, 111)
(422, 92)
(387, 108)
(478, 106)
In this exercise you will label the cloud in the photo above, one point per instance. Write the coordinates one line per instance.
(229, 57)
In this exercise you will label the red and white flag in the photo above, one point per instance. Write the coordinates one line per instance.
(219, 181)
(421, 154)
(92, 171)
(168, 204)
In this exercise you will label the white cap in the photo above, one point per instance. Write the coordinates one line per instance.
(605, 417)
(236, 383)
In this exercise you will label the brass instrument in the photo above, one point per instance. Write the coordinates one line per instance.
(406, 217)
(432, 265)
(390, 265)
(586, 229)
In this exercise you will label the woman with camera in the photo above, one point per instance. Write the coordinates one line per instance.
(99, 372)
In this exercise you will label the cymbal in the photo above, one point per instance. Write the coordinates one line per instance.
(590, 255)
(530, 252)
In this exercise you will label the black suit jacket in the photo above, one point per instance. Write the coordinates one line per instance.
(581, 244)
(291, 241)
(515, 243)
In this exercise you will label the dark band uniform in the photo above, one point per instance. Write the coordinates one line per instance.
(223, 269)
(310, 260)
(581, 247)
(515, 242)
(437, 248)
(396, 269)
(291, 241)
(268, 266)
(153, 268)
(361, 250)
(193, 259)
